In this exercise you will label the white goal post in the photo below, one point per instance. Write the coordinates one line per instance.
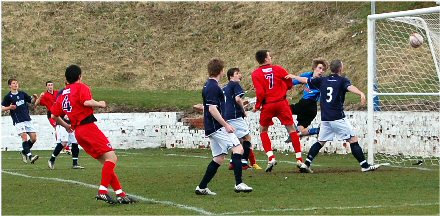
(404, 86)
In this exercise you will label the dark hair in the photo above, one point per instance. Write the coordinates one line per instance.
(11, 80)
(215, 66)
(318, 61)
(48, 82)
(261, 56)
(336, 66)
(231, 72)
(72, 73)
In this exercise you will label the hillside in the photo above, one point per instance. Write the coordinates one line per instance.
(166, 45)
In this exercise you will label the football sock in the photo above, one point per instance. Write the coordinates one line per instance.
(252, 158)
(75, 153)
(236, 160)
(357, 152)
(108, 170)
(30, 143)
(296, 145)
(56, 151)
(246, 149)
(115, 183)
(313, 131)
(209, 174)
(26, 149)
(314, 150)
(267, 145)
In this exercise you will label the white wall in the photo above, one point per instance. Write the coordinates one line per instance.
(155, 129)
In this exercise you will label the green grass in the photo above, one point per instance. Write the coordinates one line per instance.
(165, 180)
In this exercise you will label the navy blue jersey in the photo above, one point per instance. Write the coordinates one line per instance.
(333, 89)
(232, 109)
(20, 99)
(308, 92)
(212, 95)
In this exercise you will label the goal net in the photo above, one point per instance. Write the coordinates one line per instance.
(404, 88)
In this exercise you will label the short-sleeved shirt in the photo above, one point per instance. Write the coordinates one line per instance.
(270, 84)
(232, 109)
(48, 99)
(212, 94)
(308, 92)
(333, 89)
(71, 102)
(19, 99)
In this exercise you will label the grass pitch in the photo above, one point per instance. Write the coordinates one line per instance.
(164, 181)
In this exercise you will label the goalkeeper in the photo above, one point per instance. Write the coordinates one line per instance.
(306, 108)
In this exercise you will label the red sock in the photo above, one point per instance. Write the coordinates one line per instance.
(296, 145)
(267, 144)
(116, 185)
(108, 170)
(252, 158)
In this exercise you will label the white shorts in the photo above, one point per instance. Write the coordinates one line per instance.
(222, 141)
(64, 136)
(341, 129)
(241, 127)
(25, 127)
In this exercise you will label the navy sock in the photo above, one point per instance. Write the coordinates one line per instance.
(357, 152)
(314, 150)
(209, 174)
(30, 143)
(246, 150)
(236, 160)
(75, 153)
(313, 131)
(26, 148)
(56, 151)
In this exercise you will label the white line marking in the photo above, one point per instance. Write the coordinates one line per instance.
(329, 208)
(195, 209)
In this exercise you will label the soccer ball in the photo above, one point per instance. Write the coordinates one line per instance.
(415, 40)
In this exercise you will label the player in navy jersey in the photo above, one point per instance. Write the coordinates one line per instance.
(307, 108)
(220, 133)
(234, 114)
(17, 103)
(333, 89)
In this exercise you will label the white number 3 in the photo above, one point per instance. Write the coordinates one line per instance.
(329, 94)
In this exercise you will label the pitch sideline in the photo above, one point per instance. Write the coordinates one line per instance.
(195, 209)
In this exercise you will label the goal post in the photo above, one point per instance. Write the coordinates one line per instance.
(403, 117)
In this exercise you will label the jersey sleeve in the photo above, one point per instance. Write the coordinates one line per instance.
(85, 94)
(314, 82)
(56, 108)
(345, 83)
(27, 98)
(289, 82)
(212, 96)
(44, 101)
(259, 90)
(6, 102)
(238, 90)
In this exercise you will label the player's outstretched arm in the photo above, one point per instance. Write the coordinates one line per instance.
(355, 90)
(93, 103)
(10, 107)
(300, 79)
(38, 100)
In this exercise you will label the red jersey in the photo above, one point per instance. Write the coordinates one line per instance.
(270, 85)
(71, 103)
(48, 99)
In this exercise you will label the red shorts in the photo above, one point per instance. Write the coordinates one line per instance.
(280, 109)
(92, 140)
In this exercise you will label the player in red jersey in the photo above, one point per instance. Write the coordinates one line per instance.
(47, 99)
(271, 88)
(77, 103)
